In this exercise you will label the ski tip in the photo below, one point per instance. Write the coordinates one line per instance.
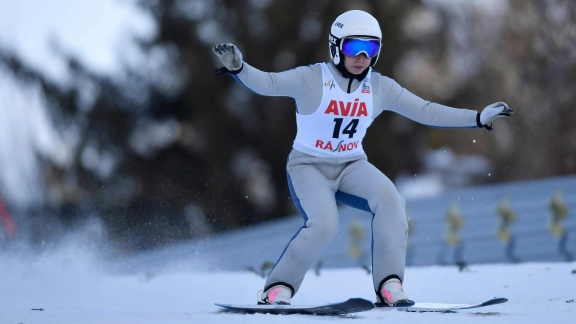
(495, 301)
(225, 306)
(361, 303)
(353, 305)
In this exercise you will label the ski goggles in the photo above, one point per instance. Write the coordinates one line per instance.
(356, 46)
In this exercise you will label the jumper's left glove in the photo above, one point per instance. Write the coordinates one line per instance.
(230, 56)
(491, 112)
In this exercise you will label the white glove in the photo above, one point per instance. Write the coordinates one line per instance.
(230, 56)
(491, 112)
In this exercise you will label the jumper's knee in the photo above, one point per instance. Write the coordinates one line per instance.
(323, 231)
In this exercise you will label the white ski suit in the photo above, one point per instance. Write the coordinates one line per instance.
(328, 165)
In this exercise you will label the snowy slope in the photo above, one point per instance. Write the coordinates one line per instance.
(81, 282)
(74, 285)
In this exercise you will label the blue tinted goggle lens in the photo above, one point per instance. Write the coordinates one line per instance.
(357, 46)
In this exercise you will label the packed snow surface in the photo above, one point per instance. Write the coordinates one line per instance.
(71, 284)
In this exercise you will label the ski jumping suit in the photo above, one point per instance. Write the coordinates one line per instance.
(328, 164)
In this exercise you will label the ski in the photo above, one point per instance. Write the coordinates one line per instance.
(345, 308)
(352, 305)
(445, 308)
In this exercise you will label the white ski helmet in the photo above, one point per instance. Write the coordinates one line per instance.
(353, 23)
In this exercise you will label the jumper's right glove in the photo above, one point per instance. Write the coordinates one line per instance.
(491, 112)
(230, 56)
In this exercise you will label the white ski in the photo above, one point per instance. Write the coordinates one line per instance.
(444, 307)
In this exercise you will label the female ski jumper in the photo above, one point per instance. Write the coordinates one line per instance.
(328, 164)
(336, 102)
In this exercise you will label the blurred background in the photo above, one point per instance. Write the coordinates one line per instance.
(110, 111)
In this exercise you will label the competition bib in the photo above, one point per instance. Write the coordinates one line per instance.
(338, 126)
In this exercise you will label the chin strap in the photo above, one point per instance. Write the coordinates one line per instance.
(348, 75)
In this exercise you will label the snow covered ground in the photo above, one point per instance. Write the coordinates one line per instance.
(73, 284)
